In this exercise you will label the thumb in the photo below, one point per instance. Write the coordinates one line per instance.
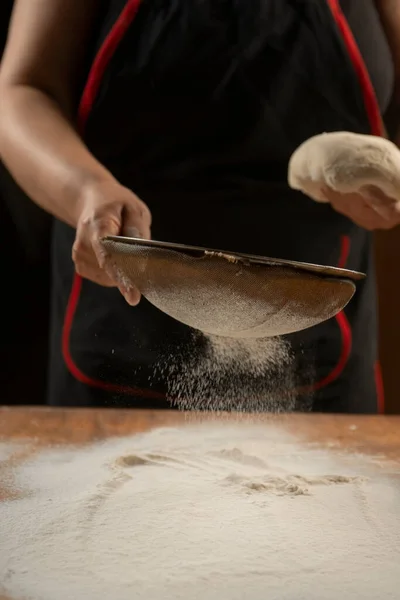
(116, 225)
(111, 225)
(131, 231)
(136, 222)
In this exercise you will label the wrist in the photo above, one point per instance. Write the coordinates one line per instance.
(88, 187)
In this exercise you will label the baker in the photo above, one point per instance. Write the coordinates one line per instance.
(177, 119)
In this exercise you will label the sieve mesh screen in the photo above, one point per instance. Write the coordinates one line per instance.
(227, 295)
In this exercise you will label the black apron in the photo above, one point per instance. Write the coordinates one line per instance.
(197, 106)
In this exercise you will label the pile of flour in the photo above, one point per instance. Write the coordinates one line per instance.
(227, 512)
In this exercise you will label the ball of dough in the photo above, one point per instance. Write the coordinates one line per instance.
(346, 163)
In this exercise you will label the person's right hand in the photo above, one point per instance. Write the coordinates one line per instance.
(108, 208)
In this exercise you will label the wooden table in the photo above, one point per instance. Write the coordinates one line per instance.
(35, 428)
(46, 426)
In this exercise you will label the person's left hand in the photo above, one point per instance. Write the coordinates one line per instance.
(370, 209)
(359, 175)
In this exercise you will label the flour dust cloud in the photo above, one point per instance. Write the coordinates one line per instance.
(230, 374)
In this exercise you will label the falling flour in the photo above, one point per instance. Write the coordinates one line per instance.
(228, 374)
(234, 511)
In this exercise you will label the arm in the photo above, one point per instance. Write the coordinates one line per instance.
(38, 88)
(40, 145)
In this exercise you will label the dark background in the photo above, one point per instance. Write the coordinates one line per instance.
(24, 248)
(25, 242)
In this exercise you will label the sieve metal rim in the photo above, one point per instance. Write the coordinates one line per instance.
(200, 252)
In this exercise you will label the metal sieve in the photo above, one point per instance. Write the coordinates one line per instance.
(231, 294)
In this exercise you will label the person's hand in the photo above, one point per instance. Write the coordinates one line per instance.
(359, 175)
(370, 208)
(108, 208)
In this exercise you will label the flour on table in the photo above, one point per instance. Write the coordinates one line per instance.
(6, 450)
(232, 511)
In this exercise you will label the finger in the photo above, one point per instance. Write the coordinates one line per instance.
(378, 201)
(84, 257)
(136, 226)
(353, 207)
(136, 221)
(88, 246)
(101, 227)
(132, 295)
(85, 254)
(130, 231)
(329, 195)
(389, 212)
(360, 213)
(379, 218)
(94, 274)
(122, 282)
(129, 291)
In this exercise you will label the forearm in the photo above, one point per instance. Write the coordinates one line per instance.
(44, 153)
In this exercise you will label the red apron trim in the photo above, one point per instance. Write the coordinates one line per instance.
(89, 95)
(344, 327)
(72, 366)
(345, 333)
(370, 100)
(103, 58)
(377, 128)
